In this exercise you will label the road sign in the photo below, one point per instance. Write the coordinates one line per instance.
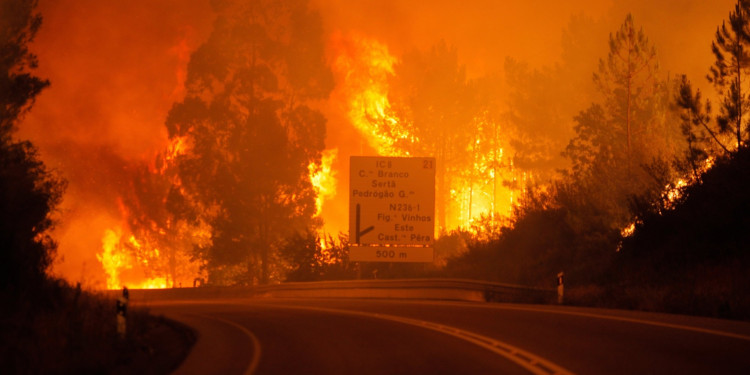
(391, 208)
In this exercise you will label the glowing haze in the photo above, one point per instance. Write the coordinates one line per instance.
(117, 67)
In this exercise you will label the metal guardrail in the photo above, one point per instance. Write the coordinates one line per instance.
(450, 289)
(436, 289)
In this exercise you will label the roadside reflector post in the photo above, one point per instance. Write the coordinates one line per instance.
(122, 312)
(560, 288)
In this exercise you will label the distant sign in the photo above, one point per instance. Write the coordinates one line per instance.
(391, 208)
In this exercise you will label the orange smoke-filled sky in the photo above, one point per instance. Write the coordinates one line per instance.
(116, 67)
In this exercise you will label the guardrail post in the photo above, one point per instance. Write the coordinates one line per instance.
(560, 288)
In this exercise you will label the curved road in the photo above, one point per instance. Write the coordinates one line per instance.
(359, 336)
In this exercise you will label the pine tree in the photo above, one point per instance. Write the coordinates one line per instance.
(621, 139)
(728, 74)
(627, 78)
(620, 129)
(702, 140)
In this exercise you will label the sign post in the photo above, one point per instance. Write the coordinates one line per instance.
(391, 209)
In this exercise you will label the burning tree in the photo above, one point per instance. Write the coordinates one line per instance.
(431, 95)
(424, 105)
(251, 134)
(703, 142)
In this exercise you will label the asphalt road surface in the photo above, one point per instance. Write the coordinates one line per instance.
(360, 336)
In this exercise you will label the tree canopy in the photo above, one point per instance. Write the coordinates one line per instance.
(625, 142)
(251, 133)
(29, 192)
(731, 48)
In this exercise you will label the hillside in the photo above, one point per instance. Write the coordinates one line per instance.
(695, 257)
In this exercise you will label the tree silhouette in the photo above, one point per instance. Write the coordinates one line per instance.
(29, 192)
(632, 128)
(626, 77)
(702, 140)
(250, 133)
(731, 49)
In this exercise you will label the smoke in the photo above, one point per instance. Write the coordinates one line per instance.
(487, 31)
(116, 68)
(541, 35)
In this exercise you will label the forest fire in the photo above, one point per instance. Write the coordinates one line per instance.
(396, 90)
(150, 263)
(568, 153)
(160, 258)
(122, 268)
(366, 68)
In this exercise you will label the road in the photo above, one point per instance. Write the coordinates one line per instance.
(360, 336)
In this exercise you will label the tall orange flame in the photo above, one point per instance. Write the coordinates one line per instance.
(116, 261)
(159, 259)
(364, 66)
(323, 179)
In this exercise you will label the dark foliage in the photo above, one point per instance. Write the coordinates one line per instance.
(29, 193)
(730, 48)
(309, 262)
(710, 222)
(551, 233)
(699, 251)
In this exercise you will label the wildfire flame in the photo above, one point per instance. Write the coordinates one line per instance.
(116, 261)
(363, 66)
(323, 179)
(131, 261)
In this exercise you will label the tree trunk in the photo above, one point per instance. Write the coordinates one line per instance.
(628, 108)
(739, 103)
(264, 243)
(739, 80)
(440, 196)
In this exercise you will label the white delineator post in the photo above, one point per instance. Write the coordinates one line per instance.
(122, 312)
(560, 288)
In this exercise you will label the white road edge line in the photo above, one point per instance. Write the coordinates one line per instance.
(531, 362)
(624, 319)
(253, 366)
